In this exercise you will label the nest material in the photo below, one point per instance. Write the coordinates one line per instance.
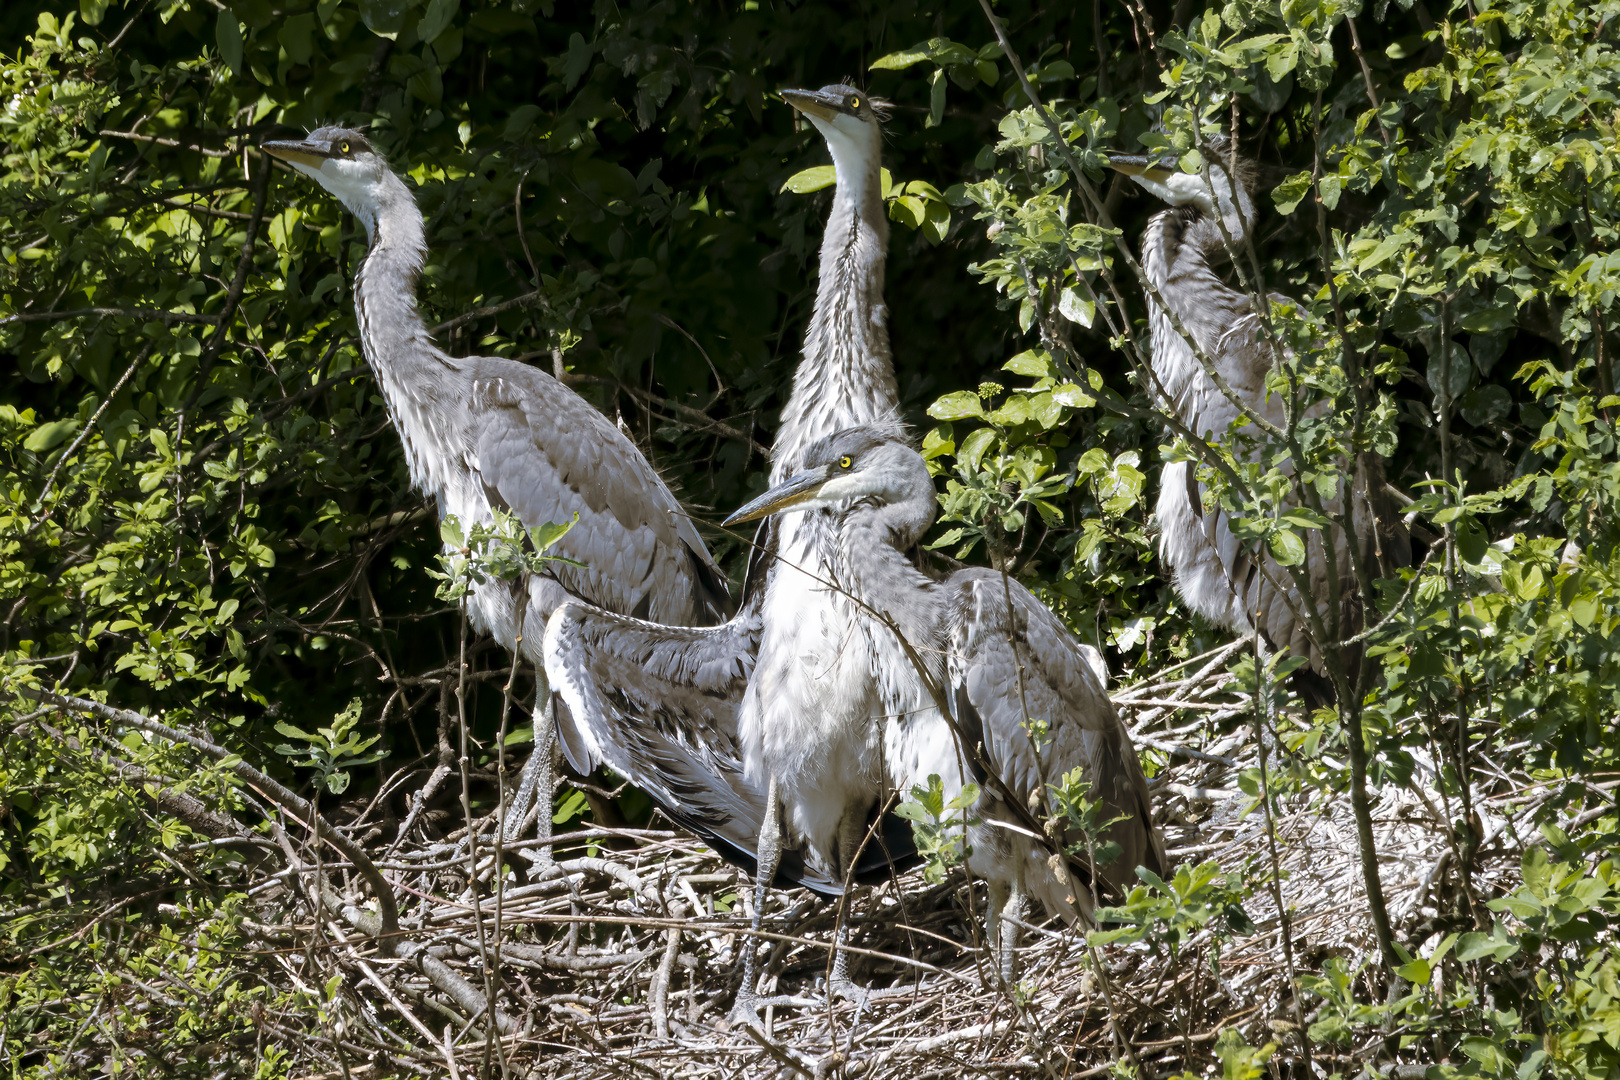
(621, 957)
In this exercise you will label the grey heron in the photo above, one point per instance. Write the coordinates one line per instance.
(1213, 571)
(740, 694)
(1018, 683)
(994, 653)
(482, 433)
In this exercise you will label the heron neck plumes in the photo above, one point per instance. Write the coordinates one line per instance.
(846, 378)
(1177, 252)
(397, 345)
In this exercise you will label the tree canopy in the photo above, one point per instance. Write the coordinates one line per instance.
(207, 526)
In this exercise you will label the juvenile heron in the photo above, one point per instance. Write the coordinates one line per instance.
(1213, 571)
(485, 433)
(1017, 682)
(741, 693)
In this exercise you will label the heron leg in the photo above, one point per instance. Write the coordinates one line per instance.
(850, 833)
(745, 1010)
(996, 894)
(538, 782)
(1007, 931)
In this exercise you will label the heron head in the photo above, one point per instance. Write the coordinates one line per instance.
(849, 119)
(343, 162)
(847, 467)
(1215, 189)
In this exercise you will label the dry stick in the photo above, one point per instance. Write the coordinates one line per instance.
(1360, 805)
(384, 926)
(484, 312)
(1366, 78)
(658, 992)
(50, 481)
(463, 760)
(148, 314)
(500, 837)
(1261, 723)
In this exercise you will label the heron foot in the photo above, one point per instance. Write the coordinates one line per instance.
(745, 1010)
(849, 990)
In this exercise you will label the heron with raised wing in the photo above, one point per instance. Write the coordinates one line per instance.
(1211, 218)
(485, 433)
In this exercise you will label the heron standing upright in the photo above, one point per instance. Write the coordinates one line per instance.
(1016, 683)
(800, 641)
(486, 433)
(1214, 573)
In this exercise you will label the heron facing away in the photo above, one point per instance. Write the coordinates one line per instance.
(485, 433)
(1213, 571)
(1016, 681)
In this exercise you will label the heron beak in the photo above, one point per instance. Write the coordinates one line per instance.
(813, 103)
(297, 152)
(790, 492)
(1160, 167)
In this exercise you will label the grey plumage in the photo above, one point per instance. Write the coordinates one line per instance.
(794, 633)
(1001, 657)
(482, 433)
(1213, 572)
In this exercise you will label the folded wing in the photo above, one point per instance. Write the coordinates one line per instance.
(1013, 660)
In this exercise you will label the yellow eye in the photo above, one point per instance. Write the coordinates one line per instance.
(854, 102)
(343, 147)
(844, 462)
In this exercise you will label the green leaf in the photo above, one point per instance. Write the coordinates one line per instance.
(1286, 547)
(437, 19)
(960, 405)
(546, 536)
(974, 447)
(47, 436)
(228, 36)
(936, 99)
(1075, 308)
(573, 805)
(1035, 363)
(385, 18)
(908, 210)
(1287, 195)
(1073, 396)
(940, 50)
(812, 179)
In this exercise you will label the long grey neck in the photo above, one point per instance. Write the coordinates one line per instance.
(1178, 251)
(411, 371)
(846, 377)
(871, 562)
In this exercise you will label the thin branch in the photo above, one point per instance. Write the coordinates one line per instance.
(145, 314)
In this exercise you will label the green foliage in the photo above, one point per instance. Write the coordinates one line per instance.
(332, 751)
(205, 511)
(940, 825)
(501, 550)
(1174, 912)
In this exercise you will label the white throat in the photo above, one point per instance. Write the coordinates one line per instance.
(856, 149)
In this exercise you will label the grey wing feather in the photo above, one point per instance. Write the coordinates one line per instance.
(543, 452)
(659, 705)
(1021, 663)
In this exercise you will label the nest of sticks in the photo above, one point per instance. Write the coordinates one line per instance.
(616, 952)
